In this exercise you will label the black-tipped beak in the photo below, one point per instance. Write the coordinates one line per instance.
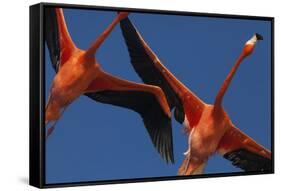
(259, 37)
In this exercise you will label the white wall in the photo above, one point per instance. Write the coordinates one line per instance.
(14, 40)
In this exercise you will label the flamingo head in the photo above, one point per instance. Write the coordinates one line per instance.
(250, 44)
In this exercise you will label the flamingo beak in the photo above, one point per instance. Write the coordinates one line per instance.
(259, 37)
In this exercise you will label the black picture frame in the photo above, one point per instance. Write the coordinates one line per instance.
(37, 94)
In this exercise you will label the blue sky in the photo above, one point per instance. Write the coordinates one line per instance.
(94, 141)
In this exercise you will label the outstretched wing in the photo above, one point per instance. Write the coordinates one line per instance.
(58, 40)
(111, 90)
(244, 152)
(150, 69)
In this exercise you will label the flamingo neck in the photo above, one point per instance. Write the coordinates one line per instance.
(227, 81)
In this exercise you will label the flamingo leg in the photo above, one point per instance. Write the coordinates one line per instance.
(92, 50)
(191, 165)
(52, 111)
(52, 128)
(184, 165)
(200, 169)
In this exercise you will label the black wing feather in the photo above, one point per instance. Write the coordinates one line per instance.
(249, 161)
(52, 36)
(145, 68)
(157, 123)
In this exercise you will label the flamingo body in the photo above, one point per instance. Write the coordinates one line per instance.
(70, 82)
(206, 135)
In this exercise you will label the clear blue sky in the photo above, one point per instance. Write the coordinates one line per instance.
(94, 141)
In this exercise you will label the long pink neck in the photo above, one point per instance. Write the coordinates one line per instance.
(227, 81)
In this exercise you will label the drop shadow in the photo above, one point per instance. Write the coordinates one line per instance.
(24, 180)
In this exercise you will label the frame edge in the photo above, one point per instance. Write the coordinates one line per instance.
(35, 146)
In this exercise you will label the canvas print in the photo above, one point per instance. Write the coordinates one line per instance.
(133, 95)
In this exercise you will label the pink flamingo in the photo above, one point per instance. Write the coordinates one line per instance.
(79, 73)
(209, 127)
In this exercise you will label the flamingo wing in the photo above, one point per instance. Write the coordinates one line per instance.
(57, 37)
(244, 152)
(108, 89)
(150, 69)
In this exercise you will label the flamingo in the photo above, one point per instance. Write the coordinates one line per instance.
(208, 126)
(79, 73)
